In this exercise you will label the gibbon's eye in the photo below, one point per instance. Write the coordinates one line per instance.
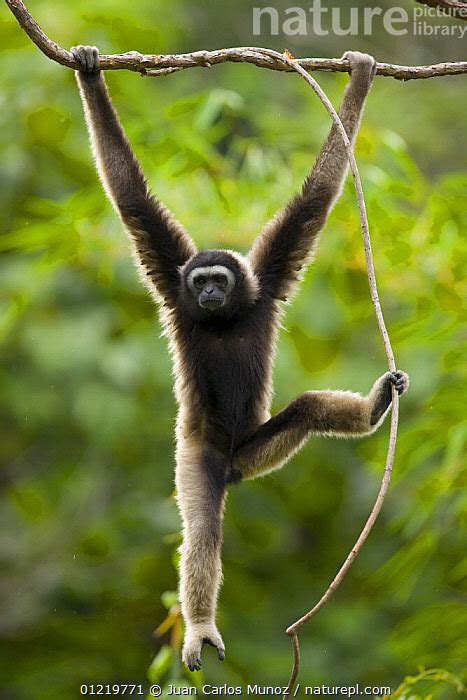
(199, 282)
(220, 280)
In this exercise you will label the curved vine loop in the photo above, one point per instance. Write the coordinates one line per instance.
(292, 630)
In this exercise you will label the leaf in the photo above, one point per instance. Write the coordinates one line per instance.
(160, 664)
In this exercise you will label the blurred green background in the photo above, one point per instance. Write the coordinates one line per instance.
(88, 524)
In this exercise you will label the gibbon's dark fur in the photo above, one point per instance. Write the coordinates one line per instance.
(221, 313)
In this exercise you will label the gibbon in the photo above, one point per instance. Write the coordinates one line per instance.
(221, 312)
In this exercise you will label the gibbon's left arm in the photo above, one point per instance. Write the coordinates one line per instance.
(284, 248)
(340, 413)
(161, 244)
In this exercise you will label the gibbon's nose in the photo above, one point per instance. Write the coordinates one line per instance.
(209, 288)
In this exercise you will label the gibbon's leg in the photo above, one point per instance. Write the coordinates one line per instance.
(340, 413)
(200, 481)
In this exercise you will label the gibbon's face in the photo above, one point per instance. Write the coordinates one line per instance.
(217, 284)
(211, 285)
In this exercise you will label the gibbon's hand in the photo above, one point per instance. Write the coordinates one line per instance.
(360, 62)
(87, 57)
(195, 637)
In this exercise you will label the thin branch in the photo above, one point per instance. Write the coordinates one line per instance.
(158, 65)
(449, 8)
(296, 665)
(292, 630)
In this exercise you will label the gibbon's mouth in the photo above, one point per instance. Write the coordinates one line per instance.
(212, 303)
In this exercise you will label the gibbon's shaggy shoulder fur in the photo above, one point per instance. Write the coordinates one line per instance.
(221, 313)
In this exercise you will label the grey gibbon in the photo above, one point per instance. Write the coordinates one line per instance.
(221, 312)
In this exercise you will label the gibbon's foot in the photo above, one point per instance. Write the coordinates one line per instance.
(195, 637)
(381, 395)
(87, 57)
(400, 380)
(357, 59)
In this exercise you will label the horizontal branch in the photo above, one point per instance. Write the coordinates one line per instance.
(157, 64)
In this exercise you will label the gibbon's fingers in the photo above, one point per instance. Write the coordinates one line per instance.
(87, 57)
(357, 58)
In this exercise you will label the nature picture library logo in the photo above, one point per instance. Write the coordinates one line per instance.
(323, 20)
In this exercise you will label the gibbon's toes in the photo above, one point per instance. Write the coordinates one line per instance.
(400, 380)
(217, 645)
(87, 57)
(356, 59)
(192, 656)
(194, 641)
(195, 664)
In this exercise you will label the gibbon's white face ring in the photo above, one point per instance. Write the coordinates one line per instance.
(210, 271)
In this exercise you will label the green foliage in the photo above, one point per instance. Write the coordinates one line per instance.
(160, 664)
(88, 520)
(416, 687)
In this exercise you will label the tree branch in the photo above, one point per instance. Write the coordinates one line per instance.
(454, 8)
(157, 65)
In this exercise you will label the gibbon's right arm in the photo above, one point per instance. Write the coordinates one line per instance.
(286, 245)
(161, 243)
